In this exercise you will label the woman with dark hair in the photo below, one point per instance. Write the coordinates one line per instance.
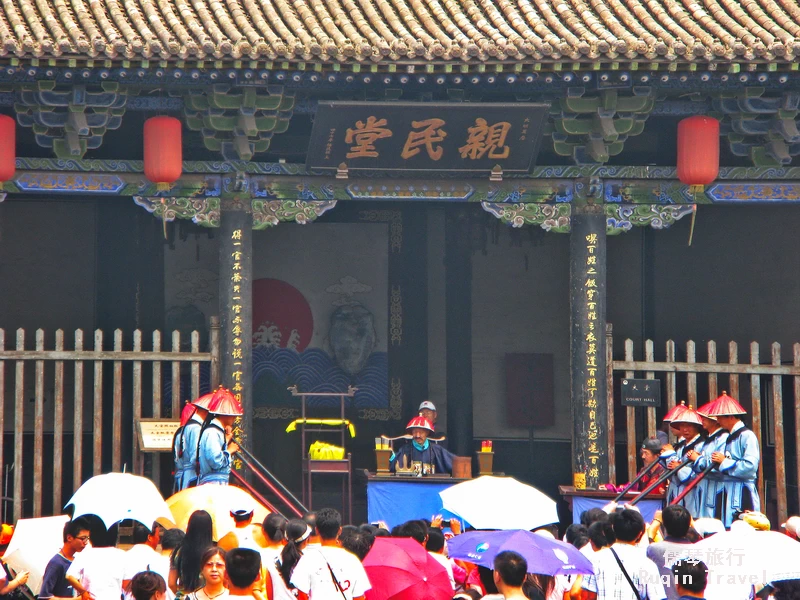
(185, 565)
(148, 585)
(786, 590)
(213, 572)
(539, 587)
(279, 571)
(274, 527)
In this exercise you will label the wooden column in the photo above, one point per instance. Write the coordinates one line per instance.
(587, 345)
(458, 326)
(236, 306)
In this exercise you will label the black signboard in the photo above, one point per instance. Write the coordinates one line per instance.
(429, 136)
(641, 392)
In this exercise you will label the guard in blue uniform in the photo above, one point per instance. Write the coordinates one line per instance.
(738, 462)
(423, 456)
(215, 444)
(716, 437)
(691, 428)
(184, 444)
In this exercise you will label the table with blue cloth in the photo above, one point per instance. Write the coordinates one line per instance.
(582, 500)
(394, 499)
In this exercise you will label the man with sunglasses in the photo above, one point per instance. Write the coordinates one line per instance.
(54, 582)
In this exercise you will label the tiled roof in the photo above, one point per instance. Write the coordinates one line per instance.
(385, 31)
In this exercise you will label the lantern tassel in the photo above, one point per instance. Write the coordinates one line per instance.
(164, 215)
(694, 190)
(163, 186)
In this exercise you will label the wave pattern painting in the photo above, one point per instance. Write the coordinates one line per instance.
(313, 370)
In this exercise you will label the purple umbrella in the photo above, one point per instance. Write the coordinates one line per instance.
(544, 556)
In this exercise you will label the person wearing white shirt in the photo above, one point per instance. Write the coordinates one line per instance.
(99, 569)
(242, 572)
(143, 555)
(436, 547)
(274, 528)
(623, 571)
(330, 572)
(510, 570)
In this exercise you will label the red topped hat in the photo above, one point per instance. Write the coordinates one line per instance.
(675, 411)
(225, 404)
(187, 412)
(420, 422)
(688, 415)
(203, 401)
(703, 411)
(725, 406)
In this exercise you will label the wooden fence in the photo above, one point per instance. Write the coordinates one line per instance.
(87, 401)
(766, 417)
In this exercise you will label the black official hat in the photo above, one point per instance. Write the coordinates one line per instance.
(653, 445)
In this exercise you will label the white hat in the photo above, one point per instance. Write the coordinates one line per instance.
(428, 404)
(792, 526)
(706, 526)
(243, 507)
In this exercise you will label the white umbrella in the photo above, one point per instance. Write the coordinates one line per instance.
(118, 496)
(34, 543)
(499, 503)
(747, 556)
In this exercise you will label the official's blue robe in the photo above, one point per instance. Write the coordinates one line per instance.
(681, 479)
(215, 461)
(707, 488)
(739, 472)
(432, 460)
(185, 454)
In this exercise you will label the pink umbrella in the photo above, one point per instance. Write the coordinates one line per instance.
(401, 569)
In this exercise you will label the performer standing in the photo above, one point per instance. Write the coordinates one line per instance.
(215, 444)
(425, 457)
(691, 427)
(737, 462)
(184, 444)
(706, 490)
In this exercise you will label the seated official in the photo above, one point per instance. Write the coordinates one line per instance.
(650, 452)
(419, 453)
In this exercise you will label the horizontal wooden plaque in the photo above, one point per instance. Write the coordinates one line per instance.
(156, 435)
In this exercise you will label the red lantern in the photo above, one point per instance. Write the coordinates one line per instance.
(698, 151)
(8, 148)
(163, 151)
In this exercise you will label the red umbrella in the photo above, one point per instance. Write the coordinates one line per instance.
(401, 569)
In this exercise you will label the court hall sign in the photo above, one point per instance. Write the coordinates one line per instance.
(426, 137)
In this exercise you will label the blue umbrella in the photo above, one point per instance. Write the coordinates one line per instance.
(544, 556)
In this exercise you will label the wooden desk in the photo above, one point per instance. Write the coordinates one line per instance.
(397, 499)
(581, 500)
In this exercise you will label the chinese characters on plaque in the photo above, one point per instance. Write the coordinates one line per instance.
(591, 349)
(426, 136)
(235, 321)
(641, 392)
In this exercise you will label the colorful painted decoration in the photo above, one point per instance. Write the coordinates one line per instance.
(698, 151)
(163, 151)
(8, 148)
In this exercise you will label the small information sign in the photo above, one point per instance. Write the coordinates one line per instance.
(641, 392)
(156, 435)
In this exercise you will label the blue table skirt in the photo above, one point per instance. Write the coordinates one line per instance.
(395, 502)
(646, 507)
